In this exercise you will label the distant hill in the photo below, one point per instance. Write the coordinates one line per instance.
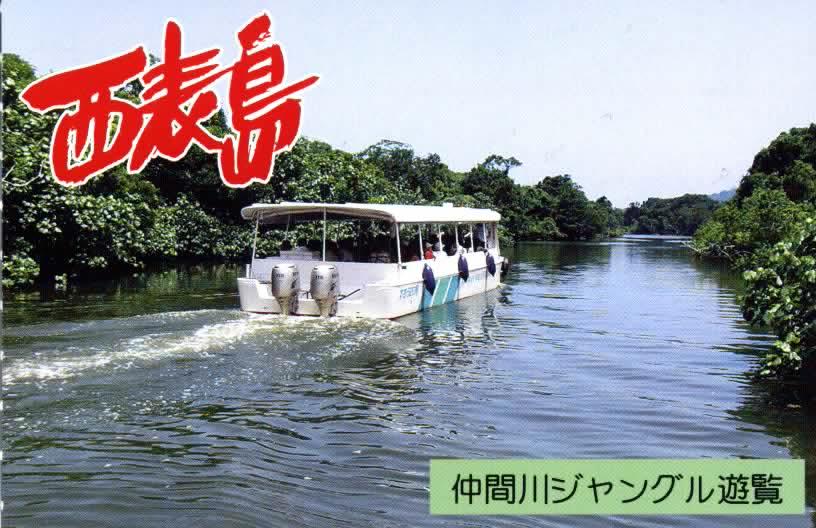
(723, 196)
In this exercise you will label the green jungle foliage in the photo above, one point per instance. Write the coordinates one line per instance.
(181, 210)
(670, 216)
(768, 231)
(782, 295)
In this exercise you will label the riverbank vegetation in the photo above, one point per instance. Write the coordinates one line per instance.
(669, 216)
(181, 210)
(768, 230)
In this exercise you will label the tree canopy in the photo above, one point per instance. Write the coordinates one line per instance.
(670, 216)
(181, 210)
(767, 230)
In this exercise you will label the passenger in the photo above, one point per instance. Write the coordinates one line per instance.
(479, 242)
(429, 255)
(466, 242)
(450, 245)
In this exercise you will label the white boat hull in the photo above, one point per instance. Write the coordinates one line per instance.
(383, 291)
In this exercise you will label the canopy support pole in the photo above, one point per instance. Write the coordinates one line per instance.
(494, 228)
(421, 249)
(456, 235)
(254, 246)
(324, 234)
(484, 235)
(399, 256)
(472, 240)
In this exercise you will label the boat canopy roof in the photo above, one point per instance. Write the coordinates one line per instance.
(402, 214)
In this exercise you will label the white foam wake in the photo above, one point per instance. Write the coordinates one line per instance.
(145, 349)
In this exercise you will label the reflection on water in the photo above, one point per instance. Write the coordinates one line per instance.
(153, 400)
(793, 427)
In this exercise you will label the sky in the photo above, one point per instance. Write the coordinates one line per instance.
(633, 99)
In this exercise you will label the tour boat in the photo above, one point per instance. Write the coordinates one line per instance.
(370, 260)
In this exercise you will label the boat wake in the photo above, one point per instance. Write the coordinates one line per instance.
(68, 349)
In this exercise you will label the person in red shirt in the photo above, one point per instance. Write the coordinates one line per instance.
(428, 251)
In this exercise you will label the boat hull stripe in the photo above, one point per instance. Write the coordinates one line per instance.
(453, 289)
(447, 290)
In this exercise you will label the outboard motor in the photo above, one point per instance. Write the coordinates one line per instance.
(325, 286)
(285, 287)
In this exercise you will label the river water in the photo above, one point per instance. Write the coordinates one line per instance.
(153, 401)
